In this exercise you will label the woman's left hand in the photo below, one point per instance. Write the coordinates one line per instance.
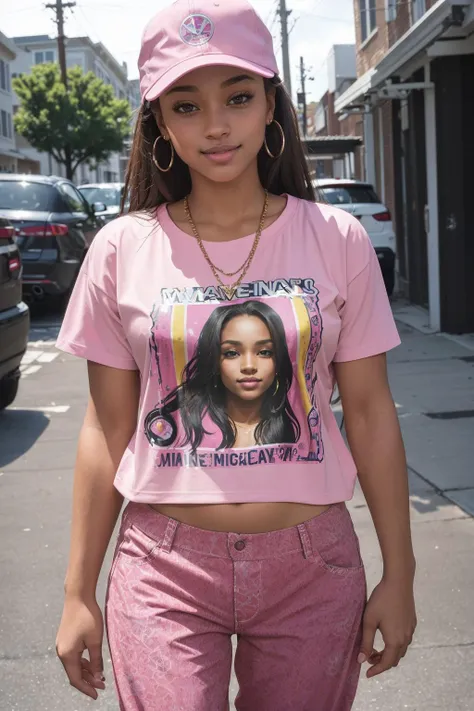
(391, 609)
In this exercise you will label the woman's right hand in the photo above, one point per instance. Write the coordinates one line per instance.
(82, 628)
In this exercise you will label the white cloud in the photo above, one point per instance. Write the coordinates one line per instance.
(118, 24)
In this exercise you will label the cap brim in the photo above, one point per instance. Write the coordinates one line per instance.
(207, 60)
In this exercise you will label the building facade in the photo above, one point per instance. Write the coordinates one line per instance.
(415, 97)
(341, 68)
(89, 56)
(12, 160)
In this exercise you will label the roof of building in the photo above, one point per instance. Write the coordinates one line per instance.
(74, 42)
(31, 38)
(331, 145)
(8, 44)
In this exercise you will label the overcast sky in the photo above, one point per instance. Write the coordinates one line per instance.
(315, 26)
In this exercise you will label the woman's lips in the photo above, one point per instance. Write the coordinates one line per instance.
(221, 155)
(251, 384)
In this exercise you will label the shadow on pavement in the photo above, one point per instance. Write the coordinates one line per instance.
(19, 430)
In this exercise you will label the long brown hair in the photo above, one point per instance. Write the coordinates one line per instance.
(147, 187)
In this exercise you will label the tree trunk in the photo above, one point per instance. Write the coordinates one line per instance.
(68, 163)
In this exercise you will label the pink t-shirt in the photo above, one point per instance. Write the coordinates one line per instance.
(146, 299)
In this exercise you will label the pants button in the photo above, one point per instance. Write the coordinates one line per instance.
(239, 545)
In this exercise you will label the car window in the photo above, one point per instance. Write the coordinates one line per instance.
(73, 198)
(25, 195)
(109, 196)
(349, 194)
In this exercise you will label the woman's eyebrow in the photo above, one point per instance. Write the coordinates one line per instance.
(239, 343)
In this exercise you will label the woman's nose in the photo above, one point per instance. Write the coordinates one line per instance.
(248, 363)
(217, 124)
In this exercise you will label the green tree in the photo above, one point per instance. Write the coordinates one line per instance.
(81, 124)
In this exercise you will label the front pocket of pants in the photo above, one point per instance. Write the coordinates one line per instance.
(136, 546)
(338, 548)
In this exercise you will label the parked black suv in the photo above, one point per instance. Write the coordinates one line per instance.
(14, 315)
(54, 226)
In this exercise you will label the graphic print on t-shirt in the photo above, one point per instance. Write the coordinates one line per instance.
(214, 360)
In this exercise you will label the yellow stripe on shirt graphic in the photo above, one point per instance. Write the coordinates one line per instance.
(178, 322)
(304, 329)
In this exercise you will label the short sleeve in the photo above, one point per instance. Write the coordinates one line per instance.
(368, 327)
(92, 327)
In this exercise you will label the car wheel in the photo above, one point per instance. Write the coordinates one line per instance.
(8, 390)
(389, 279)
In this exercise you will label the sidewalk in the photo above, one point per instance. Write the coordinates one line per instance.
(432, 380)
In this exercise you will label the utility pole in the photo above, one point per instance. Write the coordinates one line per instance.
(303, 95)
(59, 7)
(284, 14)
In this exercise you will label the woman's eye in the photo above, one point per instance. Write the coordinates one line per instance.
(266, 353)
(184, 108)
(230, 354)
(241, 99)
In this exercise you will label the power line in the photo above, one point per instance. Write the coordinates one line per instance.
(89, 25)
(272, 11)
(295, 22)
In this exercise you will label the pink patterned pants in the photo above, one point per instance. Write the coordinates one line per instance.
(293, 597)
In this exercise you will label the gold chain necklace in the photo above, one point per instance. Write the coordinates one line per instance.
(229, 289)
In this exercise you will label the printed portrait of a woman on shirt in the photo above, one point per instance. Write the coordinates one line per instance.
(230, 377)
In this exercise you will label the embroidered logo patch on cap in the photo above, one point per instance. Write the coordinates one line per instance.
(196, 30)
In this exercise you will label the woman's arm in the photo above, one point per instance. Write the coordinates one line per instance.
(374, 437)
(109, 424)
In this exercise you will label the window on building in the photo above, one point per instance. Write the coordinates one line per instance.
(4, 124)
(5, 76)
(368, 17)
(9, 126)
(44, 57)
(418, 9)
(391, 10)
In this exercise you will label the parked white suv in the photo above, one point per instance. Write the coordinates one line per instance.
(361, 200)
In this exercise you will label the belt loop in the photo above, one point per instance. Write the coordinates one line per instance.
(305, 540)
(168, 538)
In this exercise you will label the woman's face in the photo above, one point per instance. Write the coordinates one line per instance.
(247, 357)
(216, 119)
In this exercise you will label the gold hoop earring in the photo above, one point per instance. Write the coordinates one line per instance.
(155, 161)
(283, 141)
(277, 386)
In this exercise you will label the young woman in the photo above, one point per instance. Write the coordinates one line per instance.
(238, 381)
(221, 540)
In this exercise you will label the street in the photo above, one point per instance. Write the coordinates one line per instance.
(432, 380)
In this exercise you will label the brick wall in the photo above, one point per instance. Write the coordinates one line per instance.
(323, 102)
(374, 48)
(333, 122)
(387, 33)
(400, 25)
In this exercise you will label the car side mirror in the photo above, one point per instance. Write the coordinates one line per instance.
(99, 207)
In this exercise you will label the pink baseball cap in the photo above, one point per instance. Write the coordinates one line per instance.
(198, 33)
